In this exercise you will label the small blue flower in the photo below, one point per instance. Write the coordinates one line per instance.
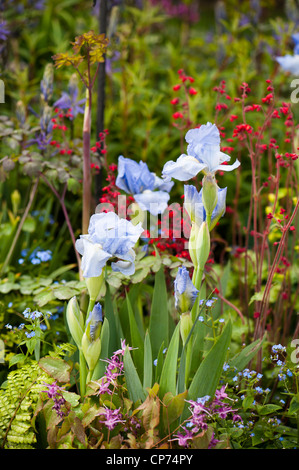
(108, 236)
(203, 154)
(184, 291)
(45, 255)
(149, 191)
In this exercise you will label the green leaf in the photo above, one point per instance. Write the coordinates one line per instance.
(17, 358)
(112, 318)
(159, 322)
(148, 362)
(135, 389)
(208, 374)
(99, 369)
(159, 363)
(294, 406)
(173, 407)
(240, 361)
(136, 340)
(168, 375)
(65, 292)
(267, 409)
(56, 368)
(62, 270)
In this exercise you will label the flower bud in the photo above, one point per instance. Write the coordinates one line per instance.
(75, 321)
(184, 291)
(94, 323)
(185, 326)
(203, 245)
(91, 342)
(192, 243)
(209, 193)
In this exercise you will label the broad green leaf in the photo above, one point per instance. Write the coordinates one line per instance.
(267, 409)
(135, 389)
(208, 374)
(168, 375)
(159, 322)
(56, 368)
(173, 407)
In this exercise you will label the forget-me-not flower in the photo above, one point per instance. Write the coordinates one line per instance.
(194, 205)
(203, 154)
(108, 236)
(184, 291)
(290, 63)
(149, 191)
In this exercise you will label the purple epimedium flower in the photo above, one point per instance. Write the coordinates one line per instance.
(203, 154)
(194, 206)
(149, 191)
(111, 418)
(108, 236)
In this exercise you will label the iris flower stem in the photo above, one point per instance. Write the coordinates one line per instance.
(83, 374)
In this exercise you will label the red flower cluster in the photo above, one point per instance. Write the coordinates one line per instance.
(182, 115)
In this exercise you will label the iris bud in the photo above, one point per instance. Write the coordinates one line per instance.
(75, 321)
(185, 326)
(91, 342)
(209, 193)
(203, 245)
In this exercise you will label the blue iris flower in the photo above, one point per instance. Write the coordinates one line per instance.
(290, 63)
(203, 154)
(195, 208)
(184, 291)
(149, 191)
(108, 237)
